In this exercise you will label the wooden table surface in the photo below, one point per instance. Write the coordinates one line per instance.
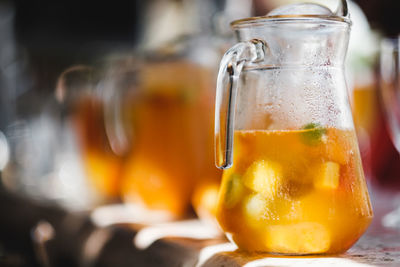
(114, 236)
(156, 246)
(373, 249)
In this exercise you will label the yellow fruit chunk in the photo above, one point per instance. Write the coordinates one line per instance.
(205, 200)
(255, 208)
(233, 190)
(264, 177)
(146, 183)
(103, 171)
(299, 238)
(328, 176)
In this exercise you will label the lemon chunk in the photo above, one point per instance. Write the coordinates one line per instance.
(255, 208)
(264, 177)
(233, 190)
(205, 199)
(299, 238)
(328, 176)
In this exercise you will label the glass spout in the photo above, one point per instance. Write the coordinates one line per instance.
(342, 9)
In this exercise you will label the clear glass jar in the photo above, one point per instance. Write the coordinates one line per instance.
(293, 182)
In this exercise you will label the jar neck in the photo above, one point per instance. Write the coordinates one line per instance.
(309, 42)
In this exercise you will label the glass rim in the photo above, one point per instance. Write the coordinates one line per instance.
(260, 20)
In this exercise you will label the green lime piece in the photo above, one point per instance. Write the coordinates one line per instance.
(313, 134)
(234, 190)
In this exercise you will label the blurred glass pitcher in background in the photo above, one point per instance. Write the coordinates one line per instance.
(84, 109)
(159, 115)
(293, 181)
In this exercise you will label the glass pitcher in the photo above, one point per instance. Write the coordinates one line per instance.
(84, 110)
(158, 114)
(293, 181)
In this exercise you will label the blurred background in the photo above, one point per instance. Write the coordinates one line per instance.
(94, 95)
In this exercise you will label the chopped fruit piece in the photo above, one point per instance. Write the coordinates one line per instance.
(205, 199)
(234, 190)
(264, 177)
(328, 176)
(313, 135)
(103, 170)
(255, 207)
(146, 183)
(299, 238)
(289, 204)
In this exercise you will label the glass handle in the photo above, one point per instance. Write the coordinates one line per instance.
(81, 80)
(227, 84)
(73, 82)
(112, 89)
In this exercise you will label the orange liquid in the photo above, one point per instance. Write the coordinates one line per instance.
(103, 167)
(289, 194)
(365, 107)
(205, 195)
(171, 116)
(205, 199)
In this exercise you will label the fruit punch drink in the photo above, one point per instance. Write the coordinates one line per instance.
(170, 114)
(295, 191)
(289, 186)
(103, 167)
